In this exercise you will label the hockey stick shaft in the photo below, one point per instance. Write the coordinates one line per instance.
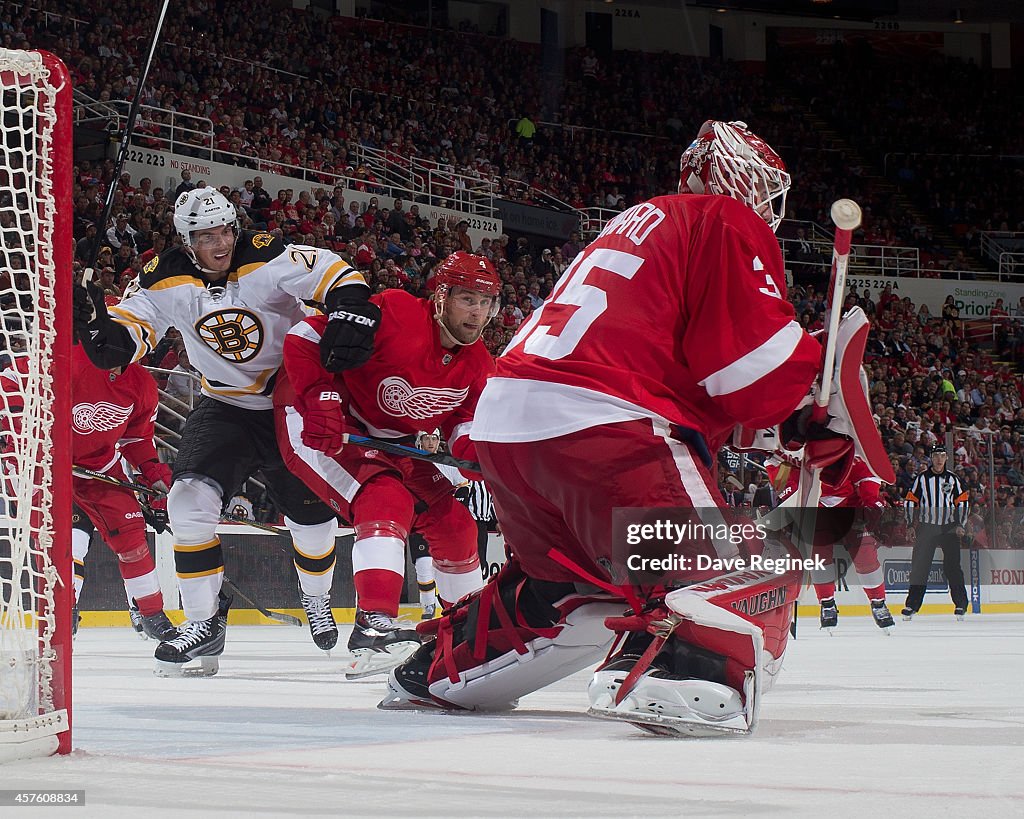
(846, 214)
(412, 452)
(122, 153)
(84, 472)
(277, 616)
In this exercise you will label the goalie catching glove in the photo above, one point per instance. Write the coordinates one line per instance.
(347, 340)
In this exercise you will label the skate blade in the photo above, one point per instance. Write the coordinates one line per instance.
(665, 726)
(204, 667)
(367, 662)
(141, 635)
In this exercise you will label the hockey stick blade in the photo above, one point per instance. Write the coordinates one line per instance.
(412, 452)
(277, 616)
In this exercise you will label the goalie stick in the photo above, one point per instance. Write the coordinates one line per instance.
(846, 215)
(411, 452)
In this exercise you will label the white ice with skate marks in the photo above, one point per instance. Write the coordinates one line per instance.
(927, 723)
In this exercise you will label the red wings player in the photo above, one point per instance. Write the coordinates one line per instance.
(427, 370)
(112, 418)
(666, 331)
(858, 490)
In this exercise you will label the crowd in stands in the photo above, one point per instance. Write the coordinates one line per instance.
(949, 126)
(302, 91)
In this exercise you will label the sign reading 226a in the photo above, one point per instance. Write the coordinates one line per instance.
(234, 334)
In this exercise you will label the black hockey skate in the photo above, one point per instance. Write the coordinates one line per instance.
(959, 613)
(136, 617)
(429, 611)
(908, 613)
(882, 615)
(378, 643)
(322, 626)
(407, 684)
(151, 627)
(76, 618)
(201, 640)
(829, 614)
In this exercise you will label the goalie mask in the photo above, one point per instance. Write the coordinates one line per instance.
(465, 296)
(728, 160)
(200, 210)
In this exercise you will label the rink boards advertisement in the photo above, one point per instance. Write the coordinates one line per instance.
(165, 168)
(261, 564)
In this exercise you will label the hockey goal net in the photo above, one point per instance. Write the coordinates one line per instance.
(35, 440)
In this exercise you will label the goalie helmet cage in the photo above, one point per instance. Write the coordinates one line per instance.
(36, 590)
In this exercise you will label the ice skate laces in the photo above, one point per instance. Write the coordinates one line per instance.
(318, 612)
(191, 635)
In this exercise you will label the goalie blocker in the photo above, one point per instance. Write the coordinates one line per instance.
(850, 431)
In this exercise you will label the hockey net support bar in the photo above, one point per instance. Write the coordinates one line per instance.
(35, 452)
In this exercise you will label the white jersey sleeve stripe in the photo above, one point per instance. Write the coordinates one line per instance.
(756, 364)
(305, 331)
(330, 279)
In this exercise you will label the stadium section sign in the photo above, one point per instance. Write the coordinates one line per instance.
(974, 298)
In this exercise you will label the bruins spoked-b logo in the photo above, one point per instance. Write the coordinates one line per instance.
(234, 334)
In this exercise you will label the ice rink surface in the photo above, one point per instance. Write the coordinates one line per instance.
(926, 722)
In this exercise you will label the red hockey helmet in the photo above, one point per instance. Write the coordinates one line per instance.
(473, 273)
(462, 269)
(728, 159)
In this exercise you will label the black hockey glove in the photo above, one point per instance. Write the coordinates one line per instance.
(352, 322)
(154, 512)
(107, 343)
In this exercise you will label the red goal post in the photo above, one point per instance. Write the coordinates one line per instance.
(36, 244)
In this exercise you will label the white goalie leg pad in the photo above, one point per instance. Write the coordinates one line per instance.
(497, 685)
(693, 605)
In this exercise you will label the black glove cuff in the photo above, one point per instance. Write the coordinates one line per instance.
(345, 296)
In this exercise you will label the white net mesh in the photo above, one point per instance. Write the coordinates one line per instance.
(28, 577)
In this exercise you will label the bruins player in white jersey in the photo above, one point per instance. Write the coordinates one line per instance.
(233, 295)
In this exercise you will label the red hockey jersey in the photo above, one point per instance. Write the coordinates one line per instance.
(111, 415)
(860, 489)
(677, 311)
(411, 384)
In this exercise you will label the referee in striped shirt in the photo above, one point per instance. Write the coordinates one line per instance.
(937, 507)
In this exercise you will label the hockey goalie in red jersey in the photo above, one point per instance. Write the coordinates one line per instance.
(427, 370)
(666, 331)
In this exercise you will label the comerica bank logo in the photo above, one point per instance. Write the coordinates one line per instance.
(897, 577)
